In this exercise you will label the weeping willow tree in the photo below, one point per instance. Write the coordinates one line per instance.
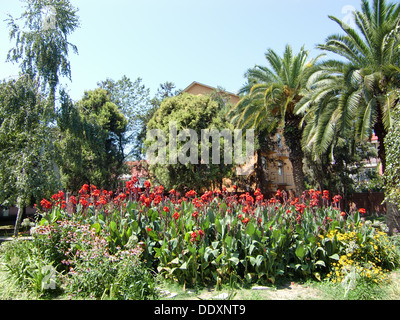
(27, 155)
(41, 41)
(28, 104)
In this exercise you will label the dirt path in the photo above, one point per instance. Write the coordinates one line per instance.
(291, 291)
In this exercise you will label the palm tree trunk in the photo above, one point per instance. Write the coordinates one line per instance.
(298, 174)
(292, 134)
(381, 132)
(261, 178)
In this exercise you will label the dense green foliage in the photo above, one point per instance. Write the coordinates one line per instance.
(91, 143)
(26, 151)
(356, 95)
(270, 99)
(392, 173)
(213, 239)
(195, 113)
(41, 43)
(133, 101)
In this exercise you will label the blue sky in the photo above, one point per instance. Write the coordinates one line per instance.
(210, 41)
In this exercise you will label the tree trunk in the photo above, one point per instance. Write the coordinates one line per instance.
(392, 218)
(20, 207)
(381, 132)
(292, 134)
(261, 177)
(298, 174)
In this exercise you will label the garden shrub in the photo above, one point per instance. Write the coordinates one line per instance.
(217, 237)
(105, 246)
(88, 267)
(25, 265)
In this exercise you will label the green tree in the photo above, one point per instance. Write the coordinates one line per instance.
(270, 98)
(133, 100)
(188, 112)
(41, 43)
(27, 172)
(392, 173)
(338, 169)
(91, 144)
(165, 90)
(359, 90)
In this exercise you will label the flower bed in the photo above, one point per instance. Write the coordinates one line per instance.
(216, 237)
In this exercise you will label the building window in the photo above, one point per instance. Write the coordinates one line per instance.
(280, 168)
(279, 140)
(264, 163)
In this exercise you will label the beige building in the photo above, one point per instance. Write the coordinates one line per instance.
(197, 88)
(275, 164)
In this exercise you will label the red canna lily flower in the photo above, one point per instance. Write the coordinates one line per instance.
(45, 204)
(72, 199)
(176, 215)
(83, 202)
(190, 194)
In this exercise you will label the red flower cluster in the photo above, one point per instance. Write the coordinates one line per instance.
(245, 205)
(195, 214)
(176, 215)
(259, 196)
(46, 204)
(190, 194)
(315, 196)
(246, 198)
(59, 199)
(195, 236)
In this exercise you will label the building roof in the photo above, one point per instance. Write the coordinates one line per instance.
(195, 83)
(197, 88)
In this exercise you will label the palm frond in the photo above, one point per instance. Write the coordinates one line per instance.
(365, 124)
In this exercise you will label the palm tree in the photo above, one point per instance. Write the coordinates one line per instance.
(270, 97)
(358, 91)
